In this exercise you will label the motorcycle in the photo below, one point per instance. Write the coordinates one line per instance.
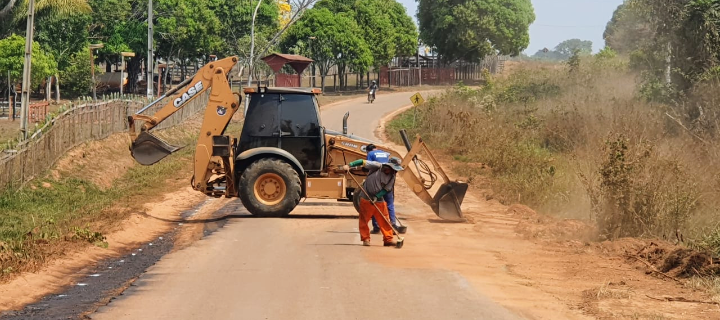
(371, 96)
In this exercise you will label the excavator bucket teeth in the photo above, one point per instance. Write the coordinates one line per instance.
(148, 149)
(448, 199)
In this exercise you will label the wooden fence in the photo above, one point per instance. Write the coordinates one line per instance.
(79, 124)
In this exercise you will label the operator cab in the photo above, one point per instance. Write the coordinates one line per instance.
(285, 118)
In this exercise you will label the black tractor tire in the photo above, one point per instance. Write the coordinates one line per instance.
(356, 199)
(275, 175)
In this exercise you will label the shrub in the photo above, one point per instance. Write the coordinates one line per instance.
(76, 79)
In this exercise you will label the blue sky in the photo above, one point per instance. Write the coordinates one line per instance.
(559, 20)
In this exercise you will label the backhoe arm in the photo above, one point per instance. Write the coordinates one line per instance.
(148, 149)
(201, 82)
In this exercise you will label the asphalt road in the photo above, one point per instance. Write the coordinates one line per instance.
(300, 267)
(364, 117)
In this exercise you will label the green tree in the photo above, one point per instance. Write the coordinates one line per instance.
(13, 13)
(698, 41)
(12, 56)
(565, 50)
(626, 31)
(54, 7)
(679, 41)
(77, 75)
(550, 55)
(236, 17)
(569, 47)
(473, 29)
(337, 41)
(385, 26)
(189, 28)
(606, 53)
(62, 36)
(377, 29)
(121, 25)
(406, 33)
(337, 6)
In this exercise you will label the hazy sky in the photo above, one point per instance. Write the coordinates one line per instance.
(558, 20)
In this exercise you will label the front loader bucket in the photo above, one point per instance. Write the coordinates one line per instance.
(447, 201)
(148, 149)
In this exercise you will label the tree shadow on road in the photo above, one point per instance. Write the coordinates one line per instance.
(249, 216)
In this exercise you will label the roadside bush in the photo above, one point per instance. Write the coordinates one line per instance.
(76, 79)
(633, 199)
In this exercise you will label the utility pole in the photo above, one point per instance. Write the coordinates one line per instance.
(11, 103)
(92, 67)
(312, 82)
(25, 102)
(418, 64)
(668, 64)
(149, 63)
(252, 51)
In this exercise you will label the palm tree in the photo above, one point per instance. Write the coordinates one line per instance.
(53, 7)
(7, 8)
(49, 7)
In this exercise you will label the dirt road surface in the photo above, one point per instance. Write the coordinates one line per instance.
(309, 266)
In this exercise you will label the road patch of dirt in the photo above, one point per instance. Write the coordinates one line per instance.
(546, 268)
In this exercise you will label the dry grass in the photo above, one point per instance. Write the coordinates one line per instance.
(9, 130)
(707, 284)
(608, 290)
(583, 144)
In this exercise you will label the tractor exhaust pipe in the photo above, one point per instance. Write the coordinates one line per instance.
(406, 141)
(345, 127)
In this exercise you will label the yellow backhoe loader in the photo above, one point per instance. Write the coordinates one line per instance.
(283, 153)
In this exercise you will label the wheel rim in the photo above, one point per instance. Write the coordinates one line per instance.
(270, 189)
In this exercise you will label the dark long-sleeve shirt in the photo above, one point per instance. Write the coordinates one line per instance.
(376, 180)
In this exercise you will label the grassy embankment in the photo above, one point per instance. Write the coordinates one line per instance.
(51, 215)
(585, 143)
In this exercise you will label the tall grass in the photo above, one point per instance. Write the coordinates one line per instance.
(582, 142)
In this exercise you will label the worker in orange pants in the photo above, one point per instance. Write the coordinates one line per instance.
(379, 182)
(367, 211)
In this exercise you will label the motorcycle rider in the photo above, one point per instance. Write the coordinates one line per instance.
(373, 88)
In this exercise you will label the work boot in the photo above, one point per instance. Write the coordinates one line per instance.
(375, 230)
(390, 244)
(366, 243)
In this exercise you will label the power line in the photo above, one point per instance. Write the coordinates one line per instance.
(559, 26)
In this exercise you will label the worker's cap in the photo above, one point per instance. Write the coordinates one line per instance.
(394, 163)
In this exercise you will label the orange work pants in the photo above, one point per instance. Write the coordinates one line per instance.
(367, 211)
